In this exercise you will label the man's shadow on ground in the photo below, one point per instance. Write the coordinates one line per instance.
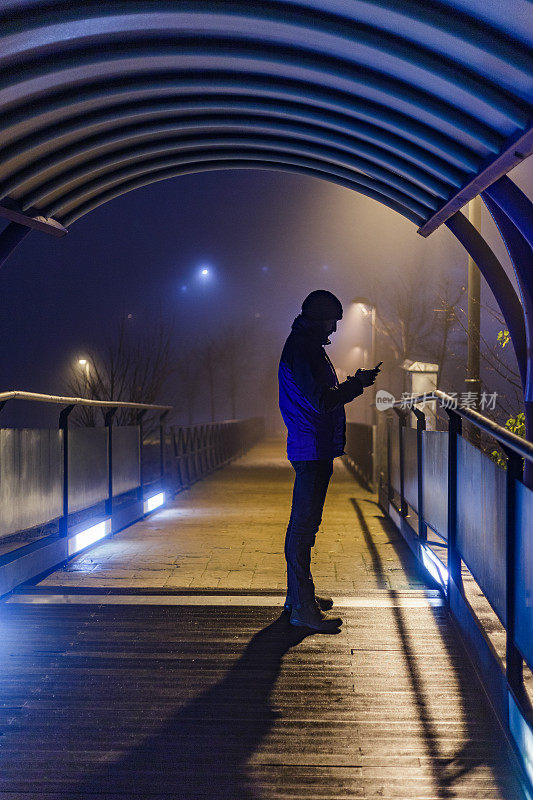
(204, 750)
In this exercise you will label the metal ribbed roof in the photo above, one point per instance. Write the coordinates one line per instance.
(418, 105)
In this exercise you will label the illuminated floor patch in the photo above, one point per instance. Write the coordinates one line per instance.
(389, 600)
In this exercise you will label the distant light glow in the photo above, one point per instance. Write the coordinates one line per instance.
(90, 535)
(434, 565)
(154, 502)
(82, 362)
(205, 275)
(265, 269)
(183, 289)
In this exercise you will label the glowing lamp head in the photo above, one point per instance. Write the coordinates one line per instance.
(363, 304)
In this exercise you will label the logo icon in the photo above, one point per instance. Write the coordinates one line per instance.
(384, 400)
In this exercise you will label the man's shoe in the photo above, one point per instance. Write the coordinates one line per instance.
(311, 616)
(324, 602)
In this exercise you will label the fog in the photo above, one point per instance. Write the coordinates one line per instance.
(266, 240)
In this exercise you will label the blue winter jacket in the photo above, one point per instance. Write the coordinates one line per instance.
(311, 399)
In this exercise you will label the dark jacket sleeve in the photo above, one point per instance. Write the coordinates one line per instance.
(307, 371)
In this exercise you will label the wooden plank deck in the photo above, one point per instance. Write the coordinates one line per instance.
(161, 701)
(120, 690)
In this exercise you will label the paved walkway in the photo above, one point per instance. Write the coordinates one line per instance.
(227, 532)
(158, 665)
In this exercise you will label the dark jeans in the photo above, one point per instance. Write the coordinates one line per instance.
(309, 493)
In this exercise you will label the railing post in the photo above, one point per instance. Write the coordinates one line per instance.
(109, 425)
(162, 444)
(454, 559)
(186, 453)
(140, 416)
(401, 425)
(420, 426)
(373, 458)
(63, 425)
(390, 489)
(514, 661)
(175, 462)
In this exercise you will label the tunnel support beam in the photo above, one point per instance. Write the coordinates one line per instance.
(506, 217)
(515, 154)
(498, 282)
(20, 225)
(515, 205)
(11, 236)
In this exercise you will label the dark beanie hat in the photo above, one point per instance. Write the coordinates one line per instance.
(322, 305)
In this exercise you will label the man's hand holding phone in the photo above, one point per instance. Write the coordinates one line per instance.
(368, 376)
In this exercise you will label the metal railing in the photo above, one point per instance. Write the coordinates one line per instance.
(86, 471)
(468, 510)
(360, 452)
(199, 449)
(76, 401)
(55, 483)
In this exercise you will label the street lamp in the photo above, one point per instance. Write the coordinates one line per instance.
(85, 365)
(368, 309)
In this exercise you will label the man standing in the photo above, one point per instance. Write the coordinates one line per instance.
(311, 402)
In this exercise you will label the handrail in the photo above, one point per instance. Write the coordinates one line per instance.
(77, 401)
(458, 490)
(505, 437)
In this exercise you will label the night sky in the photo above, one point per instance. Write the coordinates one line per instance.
(267, 238)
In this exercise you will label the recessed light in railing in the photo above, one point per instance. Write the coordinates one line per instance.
(434, 565)
(153, 502)
(90, 535)
(522, 734)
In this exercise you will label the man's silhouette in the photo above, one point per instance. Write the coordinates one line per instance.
(311, 401)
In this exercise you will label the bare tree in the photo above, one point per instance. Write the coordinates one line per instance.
(209, 354)
(406, 320)
(498, 362)
(132, 368)
(445, 340)
(236, 347)
(189, 378)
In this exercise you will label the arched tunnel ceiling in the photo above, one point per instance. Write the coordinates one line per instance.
(404, 101)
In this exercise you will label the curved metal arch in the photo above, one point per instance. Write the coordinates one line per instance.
(312, 97)
(81, 146)
(329, 47)
(419, 198)
(296, 19)
(207, 166)
(519, 251)
(114, 180)
(408, 98)
(383, 15)
(105, 155)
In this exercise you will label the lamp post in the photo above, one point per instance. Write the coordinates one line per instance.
(367, 308)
